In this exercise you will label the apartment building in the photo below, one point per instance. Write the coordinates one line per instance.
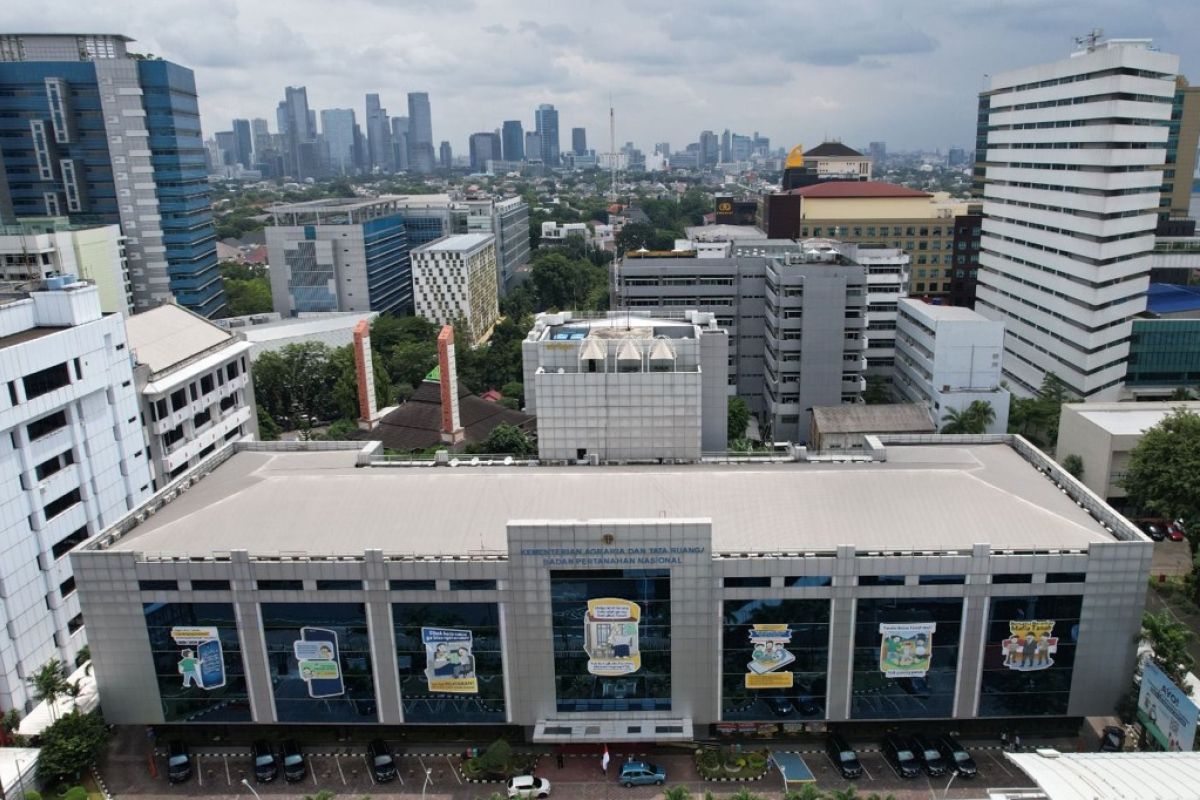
(454, 279)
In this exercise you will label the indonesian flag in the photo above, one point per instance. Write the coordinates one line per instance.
(604, 759)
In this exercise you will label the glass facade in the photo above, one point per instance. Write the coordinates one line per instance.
(198, 662)
(1029, 656)
(389, 268)
(1164, 352)
(311, 282)
(774, 659)
(319, 660)
(612, 639)
(905, 658)
(448, 656)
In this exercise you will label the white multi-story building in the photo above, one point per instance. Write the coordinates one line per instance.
(454, 278)
(1072, 154)
(947, 357)
(508, 221)
(38, 248)
(73, 461)
(887, 282)
(627, 386)
(196, 392)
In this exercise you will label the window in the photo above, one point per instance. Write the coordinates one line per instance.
(209, 585)
(286, 585)
(411, 585)
(68, 542)
(942, 580)
(1066, 577)
(880, 580)
(46, 425)
(804, 629)
(203, 418)
(158, 586)
(67, 587)
(46, 380)
(183, 701)
(178, 399)
(160, 409)
(808, 580)
(58, 506)
(467, 585)
(231, 370)
(172, 436)
(52, 465)
(335, 585)
(1041, 630)
(206, 384)
(1012, 577)
(75, 623)
(745, 583)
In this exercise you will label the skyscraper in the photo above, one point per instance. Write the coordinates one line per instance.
(226, 149)
(337, 126)
(244, 142)
(260, 137)
(420, 133)
(484, 147)
(579, 141)
(379, 135)
(400, 142)
(726, 147)
(1067, 232)
(445, 155)
(295, 123)
(533, 146)
(710, 149)
(513, 140)
(86, 108)
(546, 119)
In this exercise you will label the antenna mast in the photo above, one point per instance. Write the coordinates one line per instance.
(612, 147)
(1090, 39)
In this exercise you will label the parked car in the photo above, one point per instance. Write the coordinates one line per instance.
(266, 763)
(179, 762)
(898, 752)
(843, 757)
(780, 706)
(1154, 531)
(1112, 740)
(294, 766)
(929, 755)
(381, 761)
(957, 756)
(640, 773)
(1175, 531)
(528, 786)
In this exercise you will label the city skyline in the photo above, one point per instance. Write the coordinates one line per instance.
(861, 77)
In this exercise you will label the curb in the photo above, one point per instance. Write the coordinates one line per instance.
(100, 782)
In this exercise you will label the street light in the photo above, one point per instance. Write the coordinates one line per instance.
(246, 783)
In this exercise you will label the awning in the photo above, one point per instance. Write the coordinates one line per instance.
(18, 769)
(592, 350)
(628, 352)
(629, 728)
(43, 716)
(661, 351)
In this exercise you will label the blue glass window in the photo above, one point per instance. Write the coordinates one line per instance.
(1029, 656)
(201, 679)
(767, 677)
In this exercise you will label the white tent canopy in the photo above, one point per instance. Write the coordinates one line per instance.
(17, 769)
(43, 716)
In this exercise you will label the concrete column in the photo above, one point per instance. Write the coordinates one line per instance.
(250, 636)
(973, 632)
(841, 637)
(383, 640)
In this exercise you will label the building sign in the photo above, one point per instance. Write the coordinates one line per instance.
(201, 660)
(449, 662)
(610, 636)
(769, 655)
(316, 653)
(609, 556)
(1167, 714)
(1031, 645)
(905, 648)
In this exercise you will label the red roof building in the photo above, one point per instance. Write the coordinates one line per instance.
(837, 189)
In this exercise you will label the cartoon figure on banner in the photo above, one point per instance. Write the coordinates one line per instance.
(906, 649)
(610, 636)
(1030, 645)
(316, 654)
(449, 660)
(201, 660)
(768, 655)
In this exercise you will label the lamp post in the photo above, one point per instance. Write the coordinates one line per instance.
(246, 783)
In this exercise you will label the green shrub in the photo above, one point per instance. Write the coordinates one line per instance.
(75, 793)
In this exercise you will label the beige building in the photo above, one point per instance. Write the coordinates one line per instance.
(836, 160)
(43, 247)
(872, 212)
(1177, 176)
(454, 278)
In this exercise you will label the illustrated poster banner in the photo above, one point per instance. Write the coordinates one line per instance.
(449, 660)
(316, 653)
(201, 660)
(768, 656)
(1031, 645)
(905, 648)
(1167, 714)
(610, 636)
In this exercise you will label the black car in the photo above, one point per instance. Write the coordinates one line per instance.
(381, 761)
(266, 763)
(780, 706)
(179, 762)
(1154, 531)
(1112, 740)
(930, 755)
(294, 766)
(899, 753)
(843, 757)
(957, 756)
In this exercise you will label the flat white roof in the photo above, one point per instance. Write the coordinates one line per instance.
(304, 326)
(1129, 419)
(168, 335)
(319, 503)
(1128, 776)
(457, 243)
(947, 313)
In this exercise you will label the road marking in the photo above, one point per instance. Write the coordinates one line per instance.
(371, 770)
(999, 763)
(312, 770)
(228, 777)
(425, 770)
(199, 770)
(453, 771)
(866, 772)
(337, 760)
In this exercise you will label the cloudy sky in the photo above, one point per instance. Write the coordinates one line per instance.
(904, 71)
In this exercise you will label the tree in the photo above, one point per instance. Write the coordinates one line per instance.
(1073, 464)
(1163, 475)
(677, 793)
(84, 655)
(507, 439)
(849, 793)
(70, 745)
(808, 791)
(1169, 641)
(878, 392)
(343, 367)
(738, 418)
(496, 757)
(515, 390)
(268, 429)
(975, 418)
(295, 383)
(50, 683)
(247, 289)
(1036, 418)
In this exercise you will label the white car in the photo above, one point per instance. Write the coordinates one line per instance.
(528, 786)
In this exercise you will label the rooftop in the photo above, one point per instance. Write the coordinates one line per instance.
(330, 204)
(568, 326)
(1130, 776)
(832, 150)
(456, 243)
(944, 313)
(1129, 419)
(1169, 298)
(849, 189)
(319, 503)
(169, 335)
(723, 233)
(883, 418)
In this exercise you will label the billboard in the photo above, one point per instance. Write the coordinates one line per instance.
(316, 653)
(768, 656)
(610, 636)
(1167, 714)
(1031, 645)
(201, 660)
(905, 648)
(449, 660)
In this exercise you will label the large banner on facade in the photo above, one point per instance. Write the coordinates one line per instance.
(610, 636)
(768, 656)
(449, 660)
(905, 648)
(316, 653)
(1167, 714)
(201, 660)
(1031, 645)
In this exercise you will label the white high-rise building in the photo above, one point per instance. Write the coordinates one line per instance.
(73, 461)
(1073, 154)
(454, 278)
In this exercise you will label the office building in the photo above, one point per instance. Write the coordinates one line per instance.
(710, 149)
(225, 149)
(445, 156)
(260, 137)
(430, 216)
(1068, 232)
(968, 231)
(300, 157)
(508, 221)
(1164, 348)
(243, 143)
(533, 146)
(400, 143)
(619, 603)
(878, 153)
(420, 134)
(948, 358)
(627, 387)
(89, 109)
(73, 461)
(379, 136)
(337, 128)
(38, 249)
(579, 141)
(454, 280)
(339, 254)
(268, 333)
(1183, 138)
(194, 386)
(887, 283)
(484, 147)
(513, 140)
(546, 123)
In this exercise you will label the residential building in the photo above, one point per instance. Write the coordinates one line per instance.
(193, 381)
(546, 123)
(268, 333)
(531, 569)
(949, 357)
(73, 461)
(556, 233)
(340, 254)
(337, 127)
(878, 152)
(37, 249)
(89, 109)
(847, 427)
(484, 147)
(1104, 434)
(244, 142)
(887, 284)
(1068, 223)
(454, 279)
(512, 140)
(1164, 348)
(627, 387)
(508, 221)
(579, 141)
(420, 133)
(400, 148)
(379, 136)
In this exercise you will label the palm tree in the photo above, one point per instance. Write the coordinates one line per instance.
(849, 793)
(677, 793)
(49, 683)
(955, 421)
(808, 791)
(975, 418)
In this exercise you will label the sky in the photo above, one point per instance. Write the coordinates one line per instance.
(906, 72)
